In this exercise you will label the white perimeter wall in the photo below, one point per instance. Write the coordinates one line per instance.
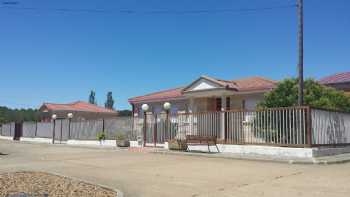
(258, 150)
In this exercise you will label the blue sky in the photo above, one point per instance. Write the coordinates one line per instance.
(52, 56)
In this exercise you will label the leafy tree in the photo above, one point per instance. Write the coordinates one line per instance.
(315, 95)
(92, 99)
(109, 102)
(124, 113)
(12, 115)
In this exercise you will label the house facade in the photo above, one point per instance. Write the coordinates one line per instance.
(207, 94)
(339, 81)
(81, 111)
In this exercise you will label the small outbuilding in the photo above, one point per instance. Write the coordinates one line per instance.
(81, 111)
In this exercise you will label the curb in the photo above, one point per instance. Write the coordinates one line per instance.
(311, 161)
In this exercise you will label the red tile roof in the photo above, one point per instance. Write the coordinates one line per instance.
(336, 78)
(175, 93)
(77, 106)
(241, 85)
(251, 84)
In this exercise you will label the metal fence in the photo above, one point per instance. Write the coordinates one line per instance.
(63, 129)
(330, 127)
(288, 126)
(7, 129)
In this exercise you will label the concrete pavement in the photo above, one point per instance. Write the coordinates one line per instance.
(147, 174)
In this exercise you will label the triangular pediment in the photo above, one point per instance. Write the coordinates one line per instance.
(203, 83)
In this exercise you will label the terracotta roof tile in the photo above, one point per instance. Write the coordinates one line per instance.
(241, 85)
(336, 78)
(77, 106)
(175, 93)
(254, 84)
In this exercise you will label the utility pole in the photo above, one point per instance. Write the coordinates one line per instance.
(300, 52)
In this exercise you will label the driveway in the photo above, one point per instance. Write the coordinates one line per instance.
(149, 174)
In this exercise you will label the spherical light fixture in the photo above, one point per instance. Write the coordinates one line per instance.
(54, 116)
(70, 115)
(145, 107)
(167, 106)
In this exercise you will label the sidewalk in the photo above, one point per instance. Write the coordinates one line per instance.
(335, 159)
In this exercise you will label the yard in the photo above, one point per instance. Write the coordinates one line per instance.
(148, 174)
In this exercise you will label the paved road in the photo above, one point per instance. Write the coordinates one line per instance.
(148, 174)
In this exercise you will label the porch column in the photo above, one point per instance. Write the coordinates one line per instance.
(222, 124)
(191, 106)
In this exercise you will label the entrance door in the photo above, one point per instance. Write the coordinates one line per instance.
(18, 131)
(156, 129)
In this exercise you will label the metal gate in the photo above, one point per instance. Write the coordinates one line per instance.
(156, 131)
(18, 131)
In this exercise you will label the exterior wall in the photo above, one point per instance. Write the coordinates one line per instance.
(77, 115)
(202, 104)
(157, 107)
(341, 86)
(248, 102)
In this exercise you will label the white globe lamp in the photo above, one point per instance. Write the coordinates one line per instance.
(167, 106)
(70, 115)
(145, 107)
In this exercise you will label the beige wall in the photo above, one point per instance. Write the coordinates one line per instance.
(202, 104)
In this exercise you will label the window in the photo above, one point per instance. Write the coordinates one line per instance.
(218, 104)
(228, 103)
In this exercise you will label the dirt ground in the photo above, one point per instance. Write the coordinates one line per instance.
(149, 174)
(45, 184)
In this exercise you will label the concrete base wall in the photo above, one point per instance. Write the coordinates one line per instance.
(92, 142)
(135, 144)
(328, 151)
(139, 144)
(258, 150)
(6, 137)
(38, 140)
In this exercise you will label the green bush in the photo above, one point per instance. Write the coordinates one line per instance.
(101, 136)
(315, 95)
(180, 145)
(120, 136)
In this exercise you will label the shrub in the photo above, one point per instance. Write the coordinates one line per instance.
(101, 136)
(315, 95)
(120, 136)
(180, 145)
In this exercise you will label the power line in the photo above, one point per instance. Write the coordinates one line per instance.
(131, 11)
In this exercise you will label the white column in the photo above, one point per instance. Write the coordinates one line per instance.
(223, 108)
(191, 107)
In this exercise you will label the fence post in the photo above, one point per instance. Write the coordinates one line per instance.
(103, 125)
(222, 118)
(36, 128)
(144, 128)
(167, 126)
(53, 131)
(309, 126)
(61, 131)
(155, 130)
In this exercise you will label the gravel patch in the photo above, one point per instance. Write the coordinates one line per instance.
(44, 184)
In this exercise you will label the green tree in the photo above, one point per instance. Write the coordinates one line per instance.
(124, 113)
(315, 95)
(12, 115)
(92, 98)
(109, 102)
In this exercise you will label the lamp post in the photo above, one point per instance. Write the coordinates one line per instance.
(53, 117)
(69, 116)
(145, 108)
(167, 107)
